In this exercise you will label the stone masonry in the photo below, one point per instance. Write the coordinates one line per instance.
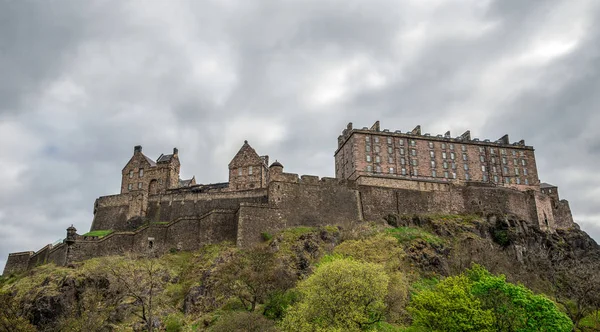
(156, 211)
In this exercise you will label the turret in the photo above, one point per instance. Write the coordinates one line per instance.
(71, 235)
(276, 168)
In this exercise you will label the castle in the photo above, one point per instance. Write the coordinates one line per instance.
(378, 173)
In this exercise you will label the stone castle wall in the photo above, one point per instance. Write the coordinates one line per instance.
(187, 220)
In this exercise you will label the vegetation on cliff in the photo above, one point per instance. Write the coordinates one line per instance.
(418, 273)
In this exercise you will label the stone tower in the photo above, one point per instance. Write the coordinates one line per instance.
(247, 170)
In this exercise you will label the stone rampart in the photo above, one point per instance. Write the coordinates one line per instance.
(17, 262)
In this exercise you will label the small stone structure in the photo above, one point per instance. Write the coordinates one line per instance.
(158, 212)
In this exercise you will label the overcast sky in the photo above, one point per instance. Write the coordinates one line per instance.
(82, 82)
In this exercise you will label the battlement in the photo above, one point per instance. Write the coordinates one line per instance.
(417, 133)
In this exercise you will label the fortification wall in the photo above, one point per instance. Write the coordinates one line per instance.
(400, 183)
(563, 219)
(498, 200)
(253, 220)
(39, 257)
(58, 254)
(544, 211)
(110, 211)
(17, 262)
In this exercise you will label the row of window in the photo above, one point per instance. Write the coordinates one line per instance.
(240, 170)
(130, 186)
(140, 173)
(443, 146)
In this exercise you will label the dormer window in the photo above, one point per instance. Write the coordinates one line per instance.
(131, 174)
(141, 172)
(249, 170)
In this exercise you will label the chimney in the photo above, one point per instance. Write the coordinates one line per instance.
(175, 151)
(137, 148)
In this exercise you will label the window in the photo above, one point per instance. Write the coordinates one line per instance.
(443, 146)
(139, 185)
(376, 148)
(483, 168)
(403, 171)
(494, 169)
(466, 167)
(368, 148)
(401, 141)
(453, 165)
(526, 181)
(481, 149)
(445, 164)
(496, 178)
(415, 172)
(452, 156)
(467, 176)
(240, 171)
(523, 162)
(402, 161)
(130, 186)
(504, 160)
(463, 148)
(378, 169)
(480, 158)
(518, 180)
(391, 170)
(368, 158)
(446, 175)
(376, 139)
(412, 142)
(367, 138)
(390, 150)
(401, 150)
(249, 170)
(131, 174)
(391, 160)
(413, 152)
(507, 180)
(493, 160)
(431, 145)
(389, 140)
(433, 174)
(377, 160)
(516, 171)
(444, 155)
(451, 146)
(433, 164)
(549, 191)
(502, 151)
(515, 162)
(485, 178)
(522, 154)
(514, 153)
(454, 175)
(505, 170)
(414, 162)
(369, 168)
(524, 171)
(432, 154)
(492, 151)
(141, 172)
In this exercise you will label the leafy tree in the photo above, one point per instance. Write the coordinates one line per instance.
(244, 322)
(251, 275)
(450, 306)
(479, 301)
(342, 295)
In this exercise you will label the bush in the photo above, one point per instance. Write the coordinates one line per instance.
(242, 321)
(266, 236)
(278, 302)
(174, 322)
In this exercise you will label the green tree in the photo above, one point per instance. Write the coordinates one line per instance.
(342, 295)
(450, 306)
(251, 275)
(479, 301)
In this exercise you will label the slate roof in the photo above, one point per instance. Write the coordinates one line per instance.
(150, 161)
(185, 183)
(164, 158)
(546, 185)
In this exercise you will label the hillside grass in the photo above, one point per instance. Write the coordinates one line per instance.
(99, 233)
(409, 234)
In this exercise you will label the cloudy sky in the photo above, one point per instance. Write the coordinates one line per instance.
(82, 82)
